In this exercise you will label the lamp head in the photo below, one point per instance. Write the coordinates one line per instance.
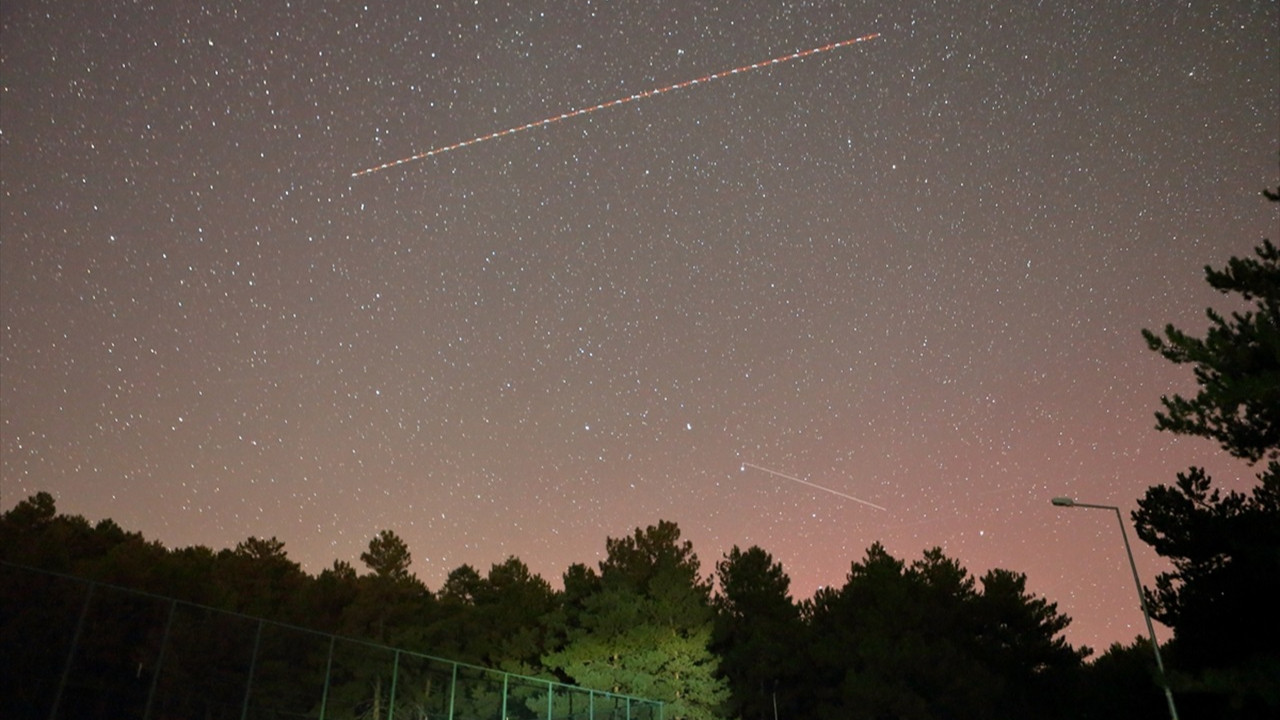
(1064, 502)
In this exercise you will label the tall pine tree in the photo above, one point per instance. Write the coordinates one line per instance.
(645, 627)
(1225, 548)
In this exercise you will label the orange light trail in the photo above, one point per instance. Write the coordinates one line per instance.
(620, 101)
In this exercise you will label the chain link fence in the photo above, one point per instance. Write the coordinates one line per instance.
(75, 648)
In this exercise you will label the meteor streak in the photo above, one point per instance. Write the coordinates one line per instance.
(813, 485)
(620, 101)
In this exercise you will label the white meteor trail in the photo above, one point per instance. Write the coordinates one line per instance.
(813, 485)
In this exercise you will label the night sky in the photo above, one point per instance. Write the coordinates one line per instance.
(913, 271)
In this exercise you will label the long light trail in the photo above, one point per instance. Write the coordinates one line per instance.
(793, 478)
(620, 101)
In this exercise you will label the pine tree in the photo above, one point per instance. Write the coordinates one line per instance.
(1225, 548)
(645, 628)
(756, 634)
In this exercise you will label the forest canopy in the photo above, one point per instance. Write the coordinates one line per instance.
(901, 638)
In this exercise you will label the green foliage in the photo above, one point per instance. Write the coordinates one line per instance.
(499, 620)
(651, 557)
(626, 644)
(644, 627)
(917, 640)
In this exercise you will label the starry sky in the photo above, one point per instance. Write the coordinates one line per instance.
(913, 271)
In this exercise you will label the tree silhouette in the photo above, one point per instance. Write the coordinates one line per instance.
(1225, 548)
(921, 641)
(918, 640)
(1236, 363)
(1123, 682)
(388, 556)
(756, 631)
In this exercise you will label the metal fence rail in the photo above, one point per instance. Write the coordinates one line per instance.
(77, 648)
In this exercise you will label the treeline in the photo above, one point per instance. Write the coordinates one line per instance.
(904, 640)
(918, 639)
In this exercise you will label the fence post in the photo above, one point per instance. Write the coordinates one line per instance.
(453, 690)
(506, 677)
(395, 675)
(71, 653)
(164, 646)
(328, 670)
(253, 667)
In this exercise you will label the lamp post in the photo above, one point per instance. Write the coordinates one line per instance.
(1142, 599)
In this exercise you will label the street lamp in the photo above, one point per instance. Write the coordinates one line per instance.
(1142, 599)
